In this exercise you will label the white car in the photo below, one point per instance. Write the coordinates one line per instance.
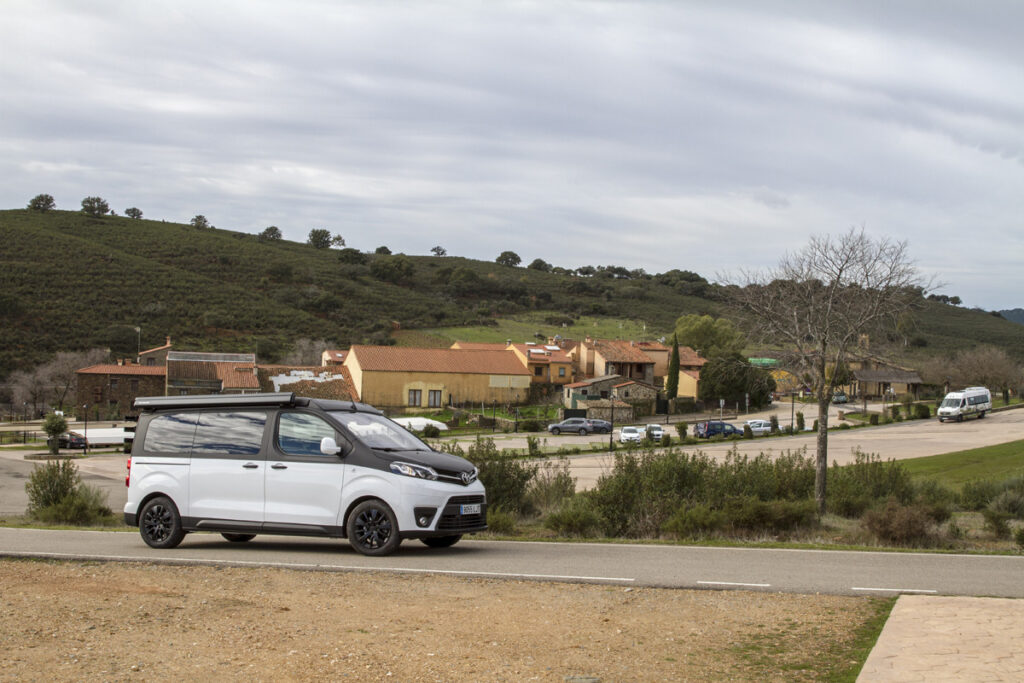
(242, 465)
(631, 435)
(760, 427)
(654, 432)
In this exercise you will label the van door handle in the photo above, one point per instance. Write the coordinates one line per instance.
(250, 465)
(278, 466)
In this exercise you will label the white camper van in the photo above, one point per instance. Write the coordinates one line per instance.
(960, 404)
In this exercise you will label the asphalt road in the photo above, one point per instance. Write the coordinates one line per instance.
(794, 571)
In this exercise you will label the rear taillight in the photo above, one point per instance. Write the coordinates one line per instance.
(128, 476)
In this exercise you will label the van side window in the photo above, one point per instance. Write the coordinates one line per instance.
(171, 433)
(300, 433)
(230, 433)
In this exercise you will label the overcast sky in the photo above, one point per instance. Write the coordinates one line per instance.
(704, 136)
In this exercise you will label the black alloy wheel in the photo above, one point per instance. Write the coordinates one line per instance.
(556, 431)
(373, 529)
(160, 524)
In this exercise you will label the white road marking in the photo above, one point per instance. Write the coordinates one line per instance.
(895, 590)
(299, 565)
(733, 583)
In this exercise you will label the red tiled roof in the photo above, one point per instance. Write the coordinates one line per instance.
(617, 351)
(652, 346)
(454, 361)
(114, 369)
(479, 346)
(336, 354)
(688, 356)
(237, 375)
(538, 353)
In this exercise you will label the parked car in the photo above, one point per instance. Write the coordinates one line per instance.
(630, 435)
(706, 430)
(654, 432)
(250, 464)
(69, 440)
(581, 426)
(839, 397)
(760, 427)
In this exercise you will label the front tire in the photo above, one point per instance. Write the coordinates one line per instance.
(441, 541)
(373, 529)
(583, 432)
(160, 524)
(556, 431)
(239, 538)
(982, 415)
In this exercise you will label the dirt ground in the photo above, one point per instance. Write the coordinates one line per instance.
(116, 622)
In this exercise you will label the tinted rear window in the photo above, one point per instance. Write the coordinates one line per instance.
(230, 433)
(171, 433)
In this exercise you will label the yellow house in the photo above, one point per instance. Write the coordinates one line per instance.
(690, 364)
(391, 376)
(546, 363)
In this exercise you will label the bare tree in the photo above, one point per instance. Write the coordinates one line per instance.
(988, 366)
(60, 375)
(820, 303)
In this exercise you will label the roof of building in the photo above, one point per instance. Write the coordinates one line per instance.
(543, 353)
(689, 357)
(887, 375)
(336, 355)
(479, 346)
(593, 380)
(618, 351)
(166, 345)
(231, 375)
(128, 369)
(202, 357)
(652, 346)
(452, 361)
(646, 385)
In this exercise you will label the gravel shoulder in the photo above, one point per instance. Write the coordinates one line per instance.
(95, 621)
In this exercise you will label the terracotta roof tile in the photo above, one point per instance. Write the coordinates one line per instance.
(454, 361)
(114, 369)
(617, 351)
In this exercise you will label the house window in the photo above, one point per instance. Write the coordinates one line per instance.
(561, 372)
(539, 371)
(415, 397)
(434, 398)
(151, 361)
(135, 386)
(113, 384)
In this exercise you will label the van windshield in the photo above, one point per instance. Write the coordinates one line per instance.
(378, 432)
(950, 403)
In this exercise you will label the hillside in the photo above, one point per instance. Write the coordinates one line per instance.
(1015, 315)
(72, 282)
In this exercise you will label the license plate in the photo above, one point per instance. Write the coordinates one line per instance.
(473, 509)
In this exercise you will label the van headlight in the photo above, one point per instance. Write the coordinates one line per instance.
(416, 471)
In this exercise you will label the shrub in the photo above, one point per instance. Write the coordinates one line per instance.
(431, 431)
(921, 411)
(550, 487)
(505, 476)
(51, 483)
(976, 495)
(898, 524)
(873, 419)
(85, 505)
(666, 440)
(800, 422)
(1018, 537)
(576, 517)
(814, 426)
(773, 516)
(530, 426)
(856, 487)
(997, 522)
(54, 426)
(1011, 502)
(775, 424)
(748, 433)
(500, 521)
(895, 410)
(694, 521)
(533, 446)
(681, 429)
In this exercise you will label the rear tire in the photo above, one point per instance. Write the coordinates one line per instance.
(556, 431)
(583, 432)
(160, 524)
(441, 541)
(239, 538)
(981, 415)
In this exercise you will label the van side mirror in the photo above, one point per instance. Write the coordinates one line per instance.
(328, 446)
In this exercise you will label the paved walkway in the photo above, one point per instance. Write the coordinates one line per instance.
(931, 638)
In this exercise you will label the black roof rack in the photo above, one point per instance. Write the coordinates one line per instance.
(207, 400)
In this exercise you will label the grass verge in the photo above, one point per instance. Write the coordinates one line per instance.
(953, 470)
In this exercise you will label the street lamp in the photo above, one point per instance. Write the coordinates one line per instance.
(138, 343)
(85, 433)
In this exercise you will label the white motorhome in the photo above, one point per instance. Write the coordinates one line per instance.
(960, 404)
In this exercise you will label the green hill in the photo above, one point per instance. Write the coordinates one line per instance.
(72, 282)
